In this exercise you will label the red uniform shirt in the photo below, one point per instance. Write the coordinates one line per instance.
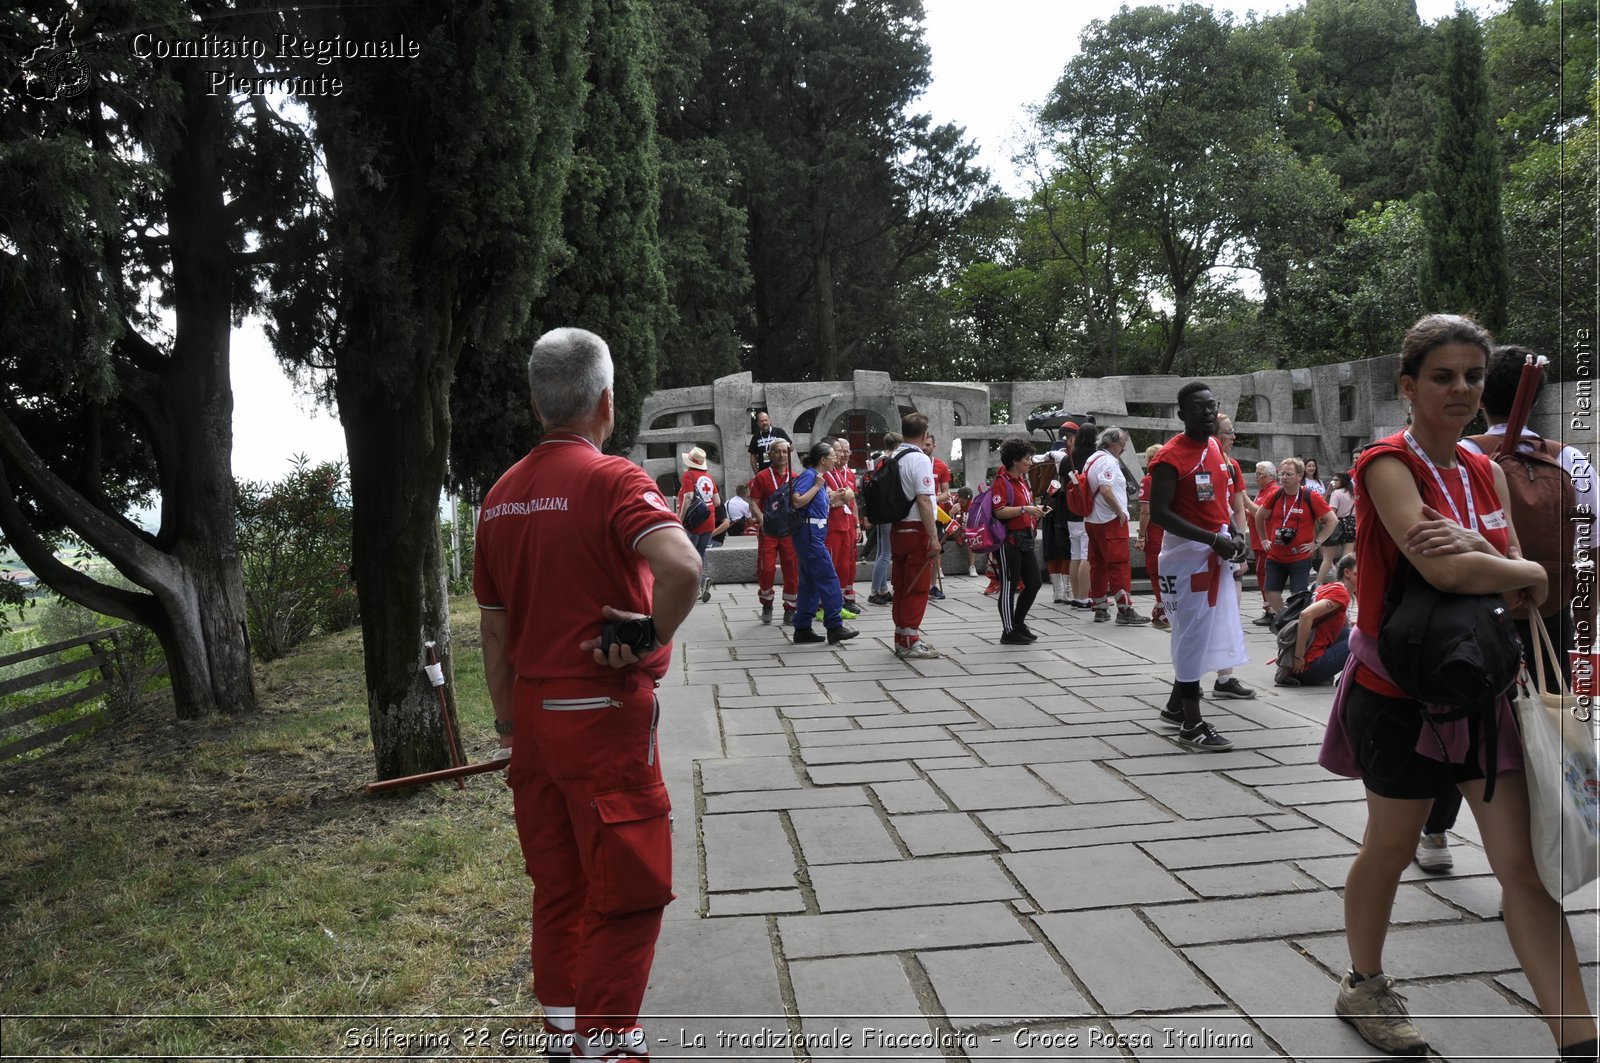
(1299, 514)
(941, 477)
(563, 525)
(1376, 552)
(1328, 627)
(841, 518)
(1007, 490)
(699, 482)
(1153, 533)
(763, 485)
(1204, 492)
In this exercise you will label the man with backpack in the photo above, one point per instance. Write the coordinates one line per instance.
(900, 495)
(771, 548)
(1551, 487)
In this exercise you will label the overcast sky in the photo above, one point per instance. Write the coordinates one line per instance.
(991, 60)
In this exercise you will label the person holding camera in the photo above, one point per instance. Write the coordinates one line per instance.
(1294, 521)
(583, 572)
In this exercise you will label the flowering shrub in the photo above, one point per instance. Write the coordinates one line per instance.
(294, 546)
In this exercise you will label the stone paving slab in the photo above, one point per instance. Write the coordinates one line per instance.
(941, 833)
(1071, 817)
(811, 797)
(1087, 783)
(899, 884)
(1119, 875)
(1204, 796)
(907, 929)
(986, 987)
(842, 835)
(1124, 965)
(880, 750)
(915, 795)
(1141, 833)
(1251, 880)
(977, 789)
(864, 1005)
(879, 771)
(1278, 845)
(747, 851)
(748, 773)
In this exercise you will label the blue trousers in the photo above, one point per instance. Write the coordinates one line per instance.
(1331, 663)
(819, 583)
(880, 567)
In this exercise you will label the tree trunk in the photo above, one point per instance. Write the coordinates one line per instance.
(399, 556)
(195, 600)
(827, 338)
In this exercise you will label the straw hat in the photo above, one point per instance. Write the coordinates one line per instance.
(695, 459)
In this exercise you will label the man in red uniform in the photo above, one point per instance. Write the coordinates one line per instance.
(770, 548)
(577, 550)
(1191, 486)
(842, 525)
(914, 541)
(941, 472)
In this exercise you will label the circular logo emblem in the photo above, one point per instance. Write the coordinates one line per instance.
(657, 501)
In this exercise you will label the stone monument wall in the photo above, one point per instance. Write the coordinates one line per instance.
(1322, 412)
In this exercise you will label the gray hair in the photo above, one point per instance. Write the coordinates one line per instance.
(568, 371)
(1266, 468)
(1109, 436)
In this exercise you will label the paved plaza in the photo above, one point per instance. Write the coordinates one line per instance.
(1004, 854)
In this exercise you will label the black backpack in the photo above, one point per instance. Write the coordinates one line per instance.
(883, 496)
(779, 518)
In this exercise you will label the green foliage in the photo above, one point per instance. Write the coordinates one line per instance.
(294, 542)
(460, 537)
(1464, 270)
(1358, 297)
(1167, 127)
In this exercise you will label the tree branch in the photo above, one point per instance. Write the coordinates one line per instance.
(127, 551)
(78, 586)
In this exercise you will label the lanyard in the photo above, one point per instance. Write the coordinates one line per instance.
(1466, 487)
(1290, 508)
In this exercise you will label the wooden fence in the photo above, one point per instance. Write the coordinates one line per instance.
(103, 648)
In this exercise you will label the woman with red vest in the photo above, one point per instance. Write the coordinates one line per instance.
(1420, 493)
(1012, 504)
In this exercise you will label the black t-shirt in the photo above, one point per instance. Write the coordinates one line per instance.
(759, 444)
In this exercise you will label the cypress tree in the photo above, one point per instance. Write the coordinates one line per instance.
(1464, 270)
(612, 282)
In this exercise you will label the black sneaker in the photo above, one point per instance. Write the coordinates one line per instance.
(1081, 603)
(1172, 716)
(803, 635)
(788, 618)
(1231, 688)
(766, 614)
(1027, 632)
(1015, 638)
(841, 634)
(936, 594)
(1203, 739)
(1265, 619)
(879, 598)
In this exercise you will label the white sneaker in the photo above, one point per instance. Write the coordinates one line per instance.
(1433, 854)
(917, 651)
(971, 571)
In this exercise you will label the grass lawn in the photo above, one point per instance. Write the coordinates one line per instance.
(223, 887)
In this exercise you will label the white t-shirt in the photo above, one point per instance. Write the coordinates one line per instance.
(916, 476)
(738, 508)
(1105, 468)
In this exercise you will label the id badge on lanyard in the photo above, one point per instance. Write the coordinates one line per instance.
(1203, 488)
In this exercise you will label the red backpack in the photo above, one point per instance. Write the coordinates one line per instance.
(1081, 492)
